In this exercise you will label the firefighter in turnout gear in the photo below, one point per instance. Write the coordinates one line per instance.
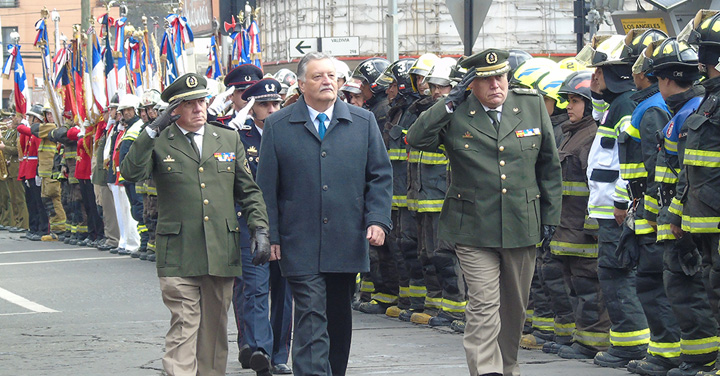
(612, 81)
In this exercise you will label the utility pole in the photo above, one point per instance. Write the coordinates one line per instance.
(468, 30)
(85, 15)
(392, 31)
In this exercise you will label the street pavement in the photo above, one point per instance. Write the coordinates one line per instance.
(67, 310)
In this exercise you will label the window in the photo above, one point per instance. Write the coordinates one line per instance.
(9, 4)
(6, 31)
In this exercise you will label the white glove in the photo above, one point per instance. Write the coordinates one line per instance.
(242, 115)
(38, 181)
(221, 102)
(81, 134)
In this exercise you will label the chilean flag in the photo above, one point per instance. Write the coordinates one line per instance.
(21, 86)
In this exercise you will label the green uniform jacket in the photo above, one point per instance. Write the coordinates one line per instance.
(197, 229)
(11, 152)
(505, 183)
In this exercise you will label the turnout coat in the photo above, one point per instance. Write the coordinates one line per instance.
(505, 182)
(197, 228)
(322, 195)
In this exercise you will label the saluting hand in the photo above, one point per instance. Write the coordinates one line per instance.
(376, 235)
(166, 118)
(458, 94)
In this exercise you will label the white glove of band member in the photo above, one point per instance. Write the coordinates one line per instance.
(221, 102)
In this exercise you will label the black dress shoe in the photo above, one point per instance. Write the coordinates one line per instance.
(16, 230)
(244, 356)
(151, 257)
(281, 369)
(260, 362)
(116, 250)
(124, 252)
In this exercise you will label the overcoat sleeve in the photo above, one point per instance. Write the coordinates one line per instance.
(378, 188)
(138, 162)
(267, 179)
(426, 133)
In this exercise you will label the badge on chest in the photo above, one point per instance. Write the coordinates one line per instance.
(528, 132)
(224, 157)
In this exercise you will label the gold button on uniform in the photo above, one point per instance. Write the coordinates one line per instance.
(201, 169)
(533, 145)
(169, 168)
(458, 195)
(504, 190)
(237, 228)
(202, 185)
(206, 218)
(228, 168)
(206, 202)
(501, 148)
(502, 163)
(239, 214)
(537, 196)
(467, 146)
(503, 177)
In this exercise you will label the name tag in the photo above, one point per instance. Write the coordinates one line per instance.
(224, 157)
(528, 132)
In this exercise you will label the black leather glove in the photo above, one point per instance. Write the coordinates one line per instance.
(260, 246)
(628, 250)
(689, 256)
(166, 118)
(458, 94)
(548, 231)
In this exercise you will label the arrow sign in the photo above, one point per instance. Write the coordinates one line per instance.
(298, 47)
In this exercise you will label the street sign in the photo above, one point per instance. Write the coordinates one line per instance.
(341, 46)
(479, 12)
(298, 47)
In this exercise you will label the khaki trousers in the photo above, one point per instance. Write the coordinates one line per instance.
(110, 222)
(51, 190)
(498, 281)
(197, 342)
(17, 203)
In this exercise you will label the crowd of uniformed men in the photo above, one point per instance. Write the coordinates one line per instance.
(630, 277)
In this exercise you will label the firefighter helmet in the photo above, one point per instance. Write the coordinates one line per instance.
(398, 72)
(370, 70)
(528, 73)
(549, 84)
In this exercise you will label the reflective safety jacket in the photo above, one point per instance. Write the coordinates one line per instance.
(603, 162)
(413, 163)
(669, 161)
(394, 137)
(701, 197)
(571, 237)
(46, 150)
(637, 148)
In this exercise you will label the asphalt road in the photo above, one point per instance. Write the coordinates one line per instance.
(66, 310)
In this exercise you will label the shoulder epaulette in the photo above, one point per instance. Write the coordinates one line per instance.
(219, 125)
(245, 127)
(520, 90)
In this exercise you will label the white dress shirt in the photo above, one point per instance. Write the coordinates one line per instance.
(314, 113)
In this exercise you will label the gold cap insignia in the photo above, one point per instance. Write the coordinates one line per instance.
(491, 58)
(252, 150)
(191, 82)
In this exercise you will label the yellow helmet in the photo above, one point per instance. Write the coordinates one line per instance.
(571, 64)
(602, 50)
(422, 67)
(550, 83)
(529, 72)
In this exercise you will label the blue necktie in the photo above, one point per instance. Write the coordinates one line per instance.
(321, 127)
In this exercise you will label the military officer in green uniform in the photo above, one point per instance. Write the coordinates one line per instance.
(200, 172)
(506, 186)
(18, 213)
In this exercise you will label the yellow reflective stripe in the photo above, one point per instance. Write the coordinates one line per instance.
(433, 302)
(417, 291)
(384, 298)
(414, 156)
(70, 154)
(130, 135)
(600, 106)
(622, 193)
(665, 175)
(664, 349)
(651, 204)
(634, 338)
(433, 158)
(599, 209)
(82, 229)
(572, 249)
(700, 224)
(676, 207)
(451, 306)
(664, 232)
(592, 338)
(404, 292)
(574, 188)
(702, 158)
(397, 154)
(670, 145)
(424, 206)
(642, 227)
(633, 170)
(399, 201)
(622, 124)
(412, 204)
(606, 132)
(632, 131)
(529, 315)
(367, 286)
(699, 346)
(544, 323)
(564, 329)
(48, 147)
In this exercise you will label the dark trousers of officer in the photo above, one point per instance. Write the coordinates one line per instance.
(591, 318)
(539, 314)
(150, 217)
(250, 299)
(394, 243)
(688, 298)
(447, 267)
(407, 240)
(384, 274)
(280, 314)
(618, 285)
(94, 221)
(323, 323)
(553, 282)
(664, 328)
(38, 218)
(136, 210)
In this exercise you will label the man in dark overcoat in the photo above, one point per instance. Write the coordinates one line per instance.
(327, 183)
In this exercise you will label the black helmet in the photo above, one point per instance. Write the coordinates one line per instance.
(36, 110)
(115, 101)
(577, 83)
(370, 70)
(398, 72)
(673, 59)
(636, 40)
(703, 30)
(517, 57)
